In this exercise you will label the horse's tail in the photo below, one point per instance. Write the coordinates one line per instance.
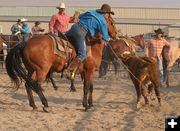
(16, 69)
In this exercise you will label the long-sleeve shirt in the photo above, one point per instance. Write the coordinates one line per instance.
(59, 23)
(15, 29)
(25, 29)
(36, 30)
(154, 48)
(94, 22)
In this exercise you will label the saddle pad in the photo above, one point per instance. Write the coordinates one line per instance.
(61, 47)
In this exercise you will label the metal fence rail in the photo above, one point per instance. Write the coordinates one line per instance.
(5, 50)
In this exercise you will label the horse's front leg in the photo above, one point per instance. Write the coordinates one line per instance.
(72, 87)
(90, 99)
(86, 91)
(53, 83)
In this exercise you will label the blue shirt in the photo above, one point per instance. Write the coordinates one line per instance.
(94, 22)
(25, 29)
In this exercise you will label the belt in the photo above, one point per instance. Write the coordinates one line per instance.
(82, 27)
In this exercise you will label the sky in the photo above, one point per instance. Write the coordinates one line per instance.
(95, 3)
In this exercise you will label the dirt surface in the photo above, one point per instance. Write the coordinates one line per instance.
(114, 106)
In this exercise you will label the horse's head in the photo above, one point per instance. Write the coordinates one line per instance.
(140, 40)
(112, 31)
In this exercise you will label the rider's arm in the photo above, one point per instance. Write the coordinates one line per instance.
(51, 23)
(104, 30)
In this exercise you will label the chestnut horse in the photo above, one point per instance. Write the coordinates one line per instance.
(170, 55)
(37, 54)
(123, 44)
(142, 70)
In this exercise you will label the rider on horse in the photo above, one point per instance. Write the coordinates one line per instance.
(90, 23)
(16, 29)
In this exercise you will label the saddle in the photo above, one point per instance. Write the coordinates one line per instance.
(62, 46)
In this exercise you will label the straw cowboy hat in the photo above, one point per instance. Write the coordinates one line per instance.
(61, 6)
(159, 31)
(105, 8)
(23, 20)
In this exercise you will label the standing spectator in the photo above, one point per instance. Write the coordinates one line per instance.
(154, 50)
(36, 29)
(16, 28)
(25, 29)
(59, 21)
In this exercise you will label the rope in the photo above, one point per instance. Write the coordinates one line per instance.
(118, 59)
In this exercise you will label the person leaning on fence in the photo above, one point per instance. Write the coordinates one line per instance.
(16, 28)
(154, 50)
(36, 29)
(59, 22)
(25, 30)
(90, 23)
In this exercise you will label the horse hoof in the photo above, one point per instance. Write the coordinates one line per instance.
(138, 106)
(160, 104)
(72, 89)
(56, 88)
(46, 109)
(35, 108)
(86, 108)
(152, 98)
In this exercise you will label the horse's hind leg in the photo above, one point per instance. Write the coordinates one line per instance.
(156, 88)
(30, 97)
(41, 75)
(43, 99)
(157, 92)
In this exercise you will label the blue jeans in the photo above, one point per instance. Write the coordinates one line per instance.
(25, 37)
(78, 33)
(160, 70)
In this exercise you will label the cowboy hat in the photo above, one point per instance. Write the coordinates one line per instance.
(105, 8)
(61, 6)
(159, 31)
(37, 23)
(19, 20)
(23, 20)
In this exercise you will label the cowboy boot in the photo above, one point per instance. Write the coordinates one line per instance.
(71, 70)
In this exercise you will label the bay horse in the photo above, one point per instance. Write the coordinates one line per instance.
(123, 44)
(170, 54)
(10, 40)
(37, 55)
